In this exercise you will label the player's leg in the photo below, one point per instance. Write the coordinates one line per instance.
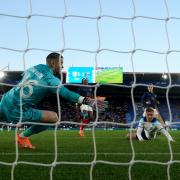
(81, 129)
(38, 116)
(84, 122)
(91, 115)
(159, 117)
(86, 116)
(83, 115)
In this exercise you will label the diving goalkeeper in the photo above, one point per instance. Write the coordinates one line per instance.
(37, 81)
(148, 126)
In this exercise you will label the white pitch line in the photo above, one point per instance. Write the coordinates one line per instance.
(72, 154)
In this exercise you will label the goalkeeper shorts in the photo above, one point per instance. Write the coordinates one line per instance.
(12, 113)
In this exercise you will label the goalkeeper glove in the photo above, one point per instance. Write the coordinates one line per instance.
(101, 104)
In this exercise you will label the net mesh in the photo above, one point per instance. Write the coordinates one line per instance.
(99, 17)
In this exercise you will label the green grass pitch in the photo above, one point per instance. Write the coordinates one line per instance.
(111, 146)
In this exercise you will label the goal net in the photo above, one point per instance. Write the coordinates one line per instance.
(141, 38)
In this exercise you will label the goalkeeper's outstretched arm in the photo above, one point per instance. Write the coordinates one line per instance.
(76, 98)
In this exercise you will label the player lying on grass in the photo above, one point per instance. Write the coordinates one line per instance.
(37, 81)
(148, 126)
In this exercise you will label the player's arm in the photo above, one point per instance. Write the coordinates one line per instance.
(164, 132)
(139, 130)
(74, 97)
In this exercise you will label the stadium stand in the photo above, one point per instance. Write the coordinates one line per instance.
(120, 103)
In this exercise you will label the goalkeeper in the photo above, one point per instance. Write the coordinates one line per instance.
(37, 81)
(147, 128)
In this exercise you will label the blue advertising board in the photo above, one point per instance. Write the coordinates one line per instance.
(76, 74)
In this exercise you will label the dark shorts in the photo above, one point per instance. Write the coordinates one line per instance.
(12, 113)
(143, 134)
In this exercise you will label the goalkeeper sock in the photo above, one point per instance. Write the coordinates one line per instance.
(33, 130)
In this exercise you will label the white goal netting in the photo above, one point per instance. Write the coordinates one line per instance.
(137, 36)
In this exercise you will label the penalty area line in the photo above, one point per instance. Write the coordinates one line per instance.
(72, 154)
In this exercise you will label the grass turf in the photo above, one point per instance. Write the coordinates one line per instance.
(111, 147)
